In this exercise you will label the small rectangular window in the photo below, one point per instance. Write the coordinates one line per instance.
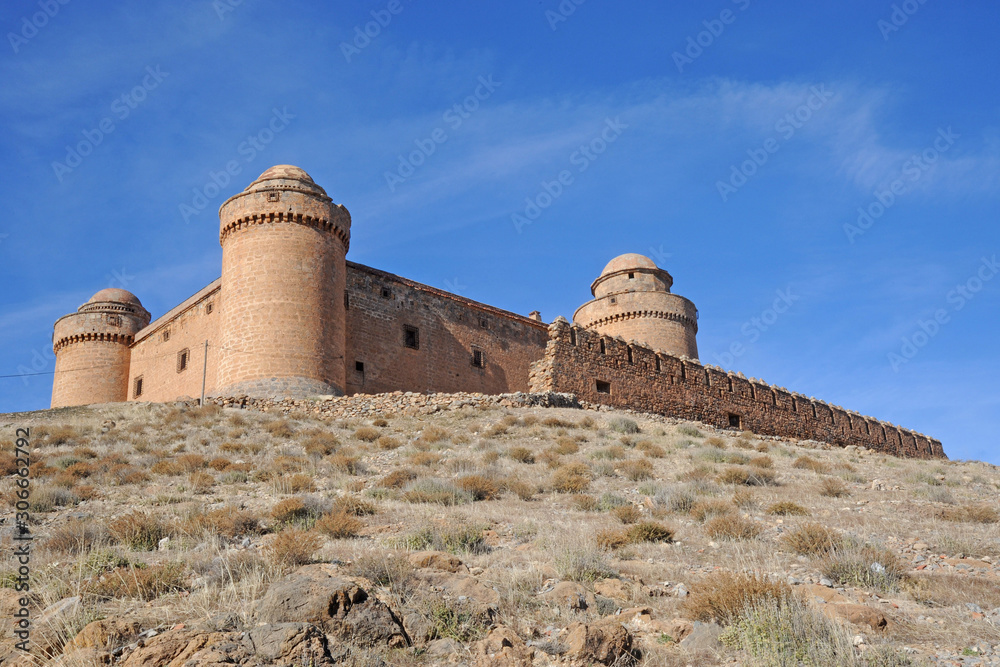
(603, 387)
(734, 421)
(114, 320)
(659, 366)
(274, 196)
(614, 299)
(411, 337)
(478, 358)
(209, 307)
(484, 323)
(359, 366)
(182, 360)
(631, 359)
(603, 348)
(166, 335)
(631, 276)
(137, 388)
(386, 293)
(572, 336)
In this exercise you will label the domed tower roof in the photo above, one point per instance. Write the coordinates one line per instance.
(620, 273)
(115, 295)
(285, 177)
(629, 260)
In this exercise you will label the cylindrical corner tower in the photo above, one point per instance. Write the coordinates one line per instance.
(92, 349)
(284, 275)
(632, 299)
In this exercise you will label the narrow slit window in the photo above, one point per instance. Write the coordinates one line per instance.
(604, 350)
(183, 357)
(137, 388)
(572, 336)
(209, 307)
(603, 387)
(166, 335)
(659, 366)
(631, 357)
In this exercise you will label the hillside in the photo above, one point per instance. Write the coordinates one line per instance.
(402, 530)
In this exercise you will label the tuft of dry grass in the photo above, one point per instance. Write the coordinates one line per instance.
(831, 487)
(650, 449)
(637, 469)
(321, 444)
(280, 428)
(584, 503)
(627, 514)
(969, 514)
(367, 434)
(292, 548)
(339, 525)
(571, 478)
(387, 442)
(706, 509)
(722, 596)
(864, 565)
(521, 455)
(809, 463)
(751, 476)
(290, 510)
(143, 583)
(646, 531)
(565, 446)
(398, 478)
(479, 487)
(733, 527)
(227, 522)
(812, 539)
(787, 508)
(139, 531)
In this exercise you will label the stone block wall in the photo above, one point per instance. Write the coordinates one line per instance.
(156, 349)
(635, 377)
(448, 329)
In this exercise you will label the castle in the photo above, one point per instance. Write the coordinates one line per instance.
(290, 316)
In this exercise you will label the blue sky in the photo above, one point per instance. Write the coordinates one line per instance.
(734, 142)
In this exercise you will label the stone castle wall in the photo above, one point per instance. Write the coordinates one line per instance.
(448, 328)
(635, 377)
(156, 350)
(91, 370)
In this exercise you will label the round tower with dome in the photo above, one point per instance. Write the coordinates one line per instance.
(282, 315)
(632, 299)
(92, 349)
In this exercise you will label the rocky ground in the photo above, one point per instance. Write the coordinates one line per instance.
(407, 529)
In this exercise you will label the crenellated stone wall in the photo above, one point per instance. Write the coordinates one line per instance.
(609, 371)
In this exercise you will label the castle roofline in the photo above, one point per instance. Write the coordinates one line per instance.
(448, 295)
(184, 305)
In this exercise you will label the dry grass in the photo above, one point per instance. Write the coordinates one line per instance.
(733, 527)
(139, 531)
(637, 470)
(787, 508)
(809, 463)
(722, 596)
(812, 539)
(831, 487)
(571, 478)
(339, 525)
(521, 455)
(970, 514)
(479, 487)
(293, 547)
(367, 434)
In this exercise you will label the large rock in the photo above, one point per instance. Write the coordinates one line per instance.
(457, 586)
(703, 637)
(502, 648)
(107, 634)
(858, 614)
(569, 594)
(437, 560)
(272, 644)
(604, 642)
(317, 594)
(640, 619)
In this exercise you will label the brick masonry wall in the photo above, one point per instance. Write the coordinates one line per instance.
(658, 320)
(663, 384)
(282, 319)
(448, 328)
(155, 357)
(90, 371)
